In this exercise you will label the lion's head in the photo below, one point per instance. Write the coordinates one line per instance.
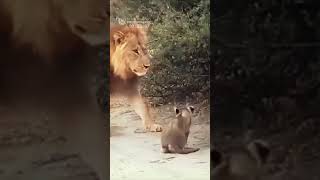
(128, 51)
(52, 26)
(41, 38)
(87, 19)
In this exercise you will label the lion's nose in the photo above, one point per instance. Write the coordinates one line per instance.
(146, 66)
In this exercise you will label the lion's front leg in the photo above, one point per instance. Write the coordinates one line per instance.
(142, 109)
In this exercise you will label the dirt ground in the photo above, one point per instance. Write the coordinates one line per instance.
(137, 155)
(30, 150)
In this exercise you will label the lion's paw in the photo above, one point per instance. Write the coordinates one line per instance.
(155, 128)
(140, 130)
(149, 128)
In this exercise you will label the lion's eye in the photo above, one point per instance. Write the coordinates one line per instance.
(145, 50)
(136, 51)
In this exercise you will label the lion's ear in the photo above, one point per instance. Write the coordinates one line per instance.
(118, 37)
(146, 28)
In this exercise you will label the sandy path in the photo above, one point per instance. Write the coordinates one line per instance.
(27, 163)
(29, 152)
(137, 156)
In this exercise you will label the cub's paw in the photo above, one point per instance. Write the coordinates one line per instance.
(164, 150)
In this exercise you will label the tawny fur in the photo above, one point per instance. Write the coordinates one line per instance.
(129, 59)
(44, 66)
(175, 136)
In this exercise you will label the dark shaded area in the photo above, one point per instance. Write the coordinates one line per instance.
(47, 88)
(267, 77)
(102, 79)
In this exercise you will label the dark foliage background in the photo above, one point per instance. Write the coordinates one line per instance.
(179, 46)
(266, 56)
(102, 80)
(267, 76)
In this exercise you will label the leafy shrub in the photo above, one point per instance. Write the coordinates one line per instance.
(179, 45)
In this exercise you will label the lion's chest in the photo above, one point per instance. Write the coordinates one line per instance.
(119, 86)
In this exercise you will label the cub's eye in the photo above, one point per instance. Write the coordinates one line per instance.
(136, 51)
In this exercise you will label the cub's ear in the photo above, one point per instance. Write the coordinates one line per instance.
(118, 37)
(191, 109)
(176, 110)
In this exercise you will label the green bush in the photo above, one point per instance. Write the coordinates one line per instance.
(179, 44)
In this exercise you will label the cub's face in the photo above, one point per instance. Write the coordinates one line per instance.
(241, 163)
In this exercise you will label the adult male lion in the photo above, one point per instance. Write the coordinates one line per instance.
(44, 63)
(129, 59)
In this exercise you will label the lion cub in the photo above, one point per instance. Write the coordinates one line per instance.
(175, 136)
(244, 163)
